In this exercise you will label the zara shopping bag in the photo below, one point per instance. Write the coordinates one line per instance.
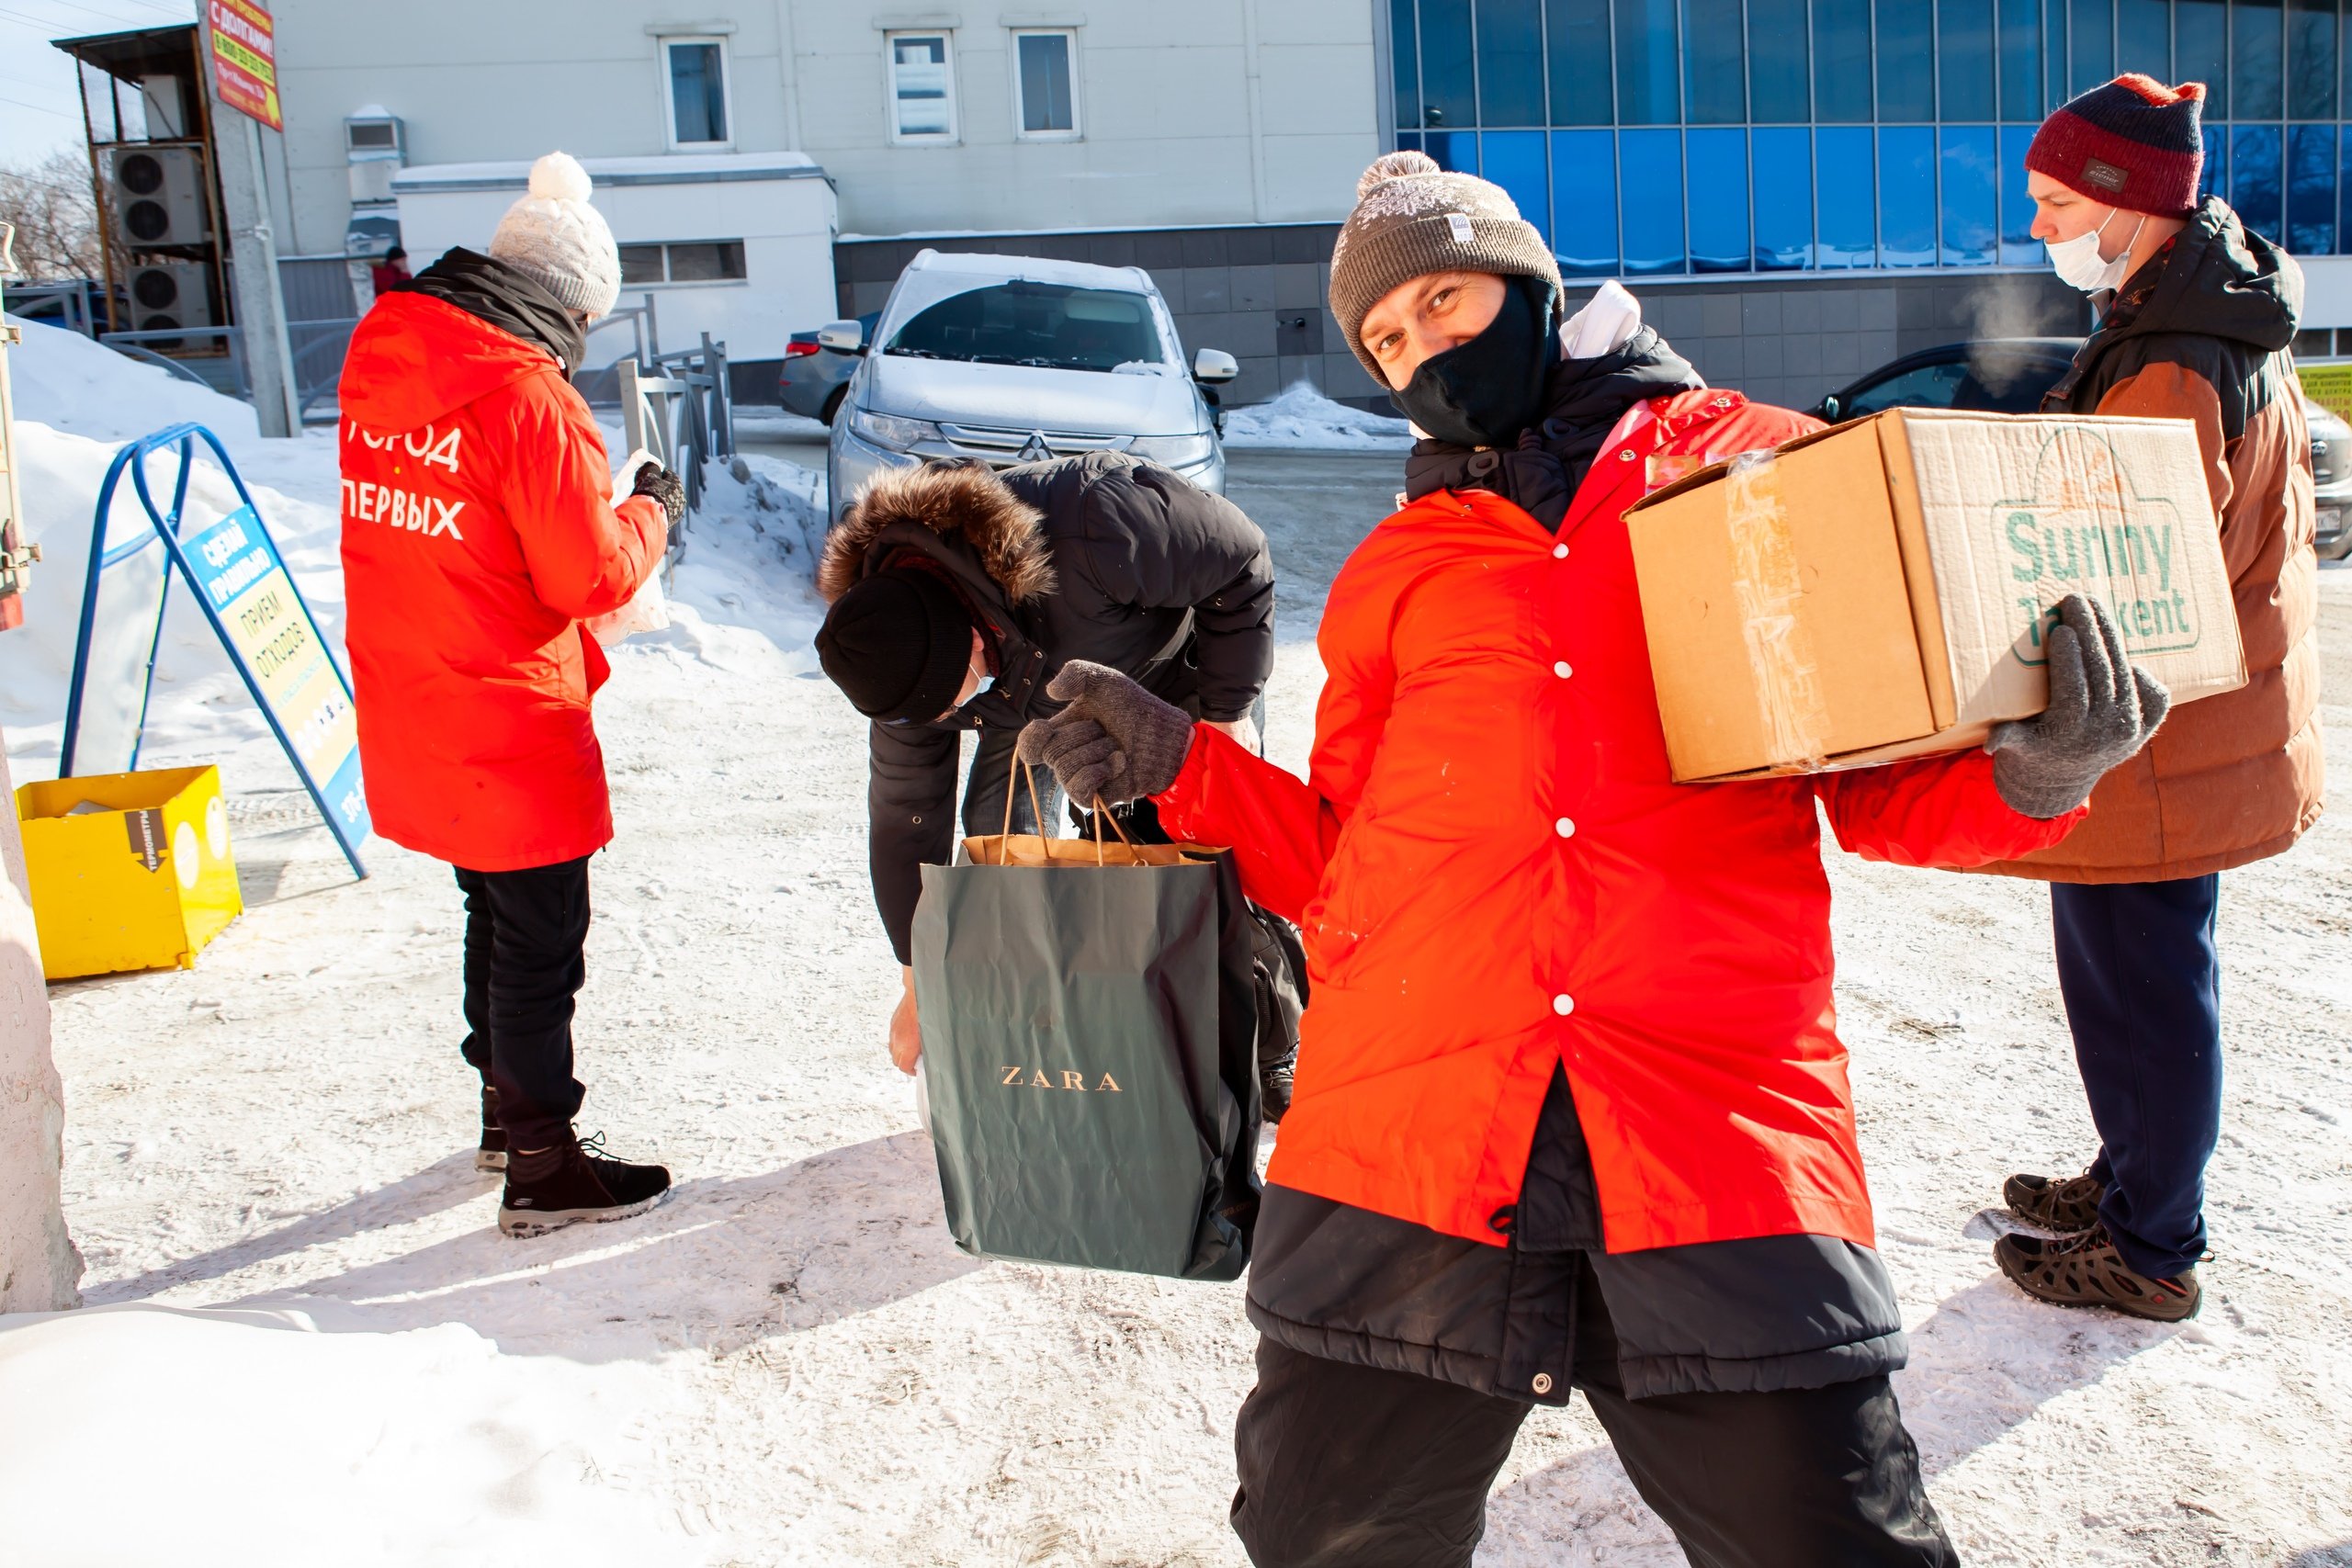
(1089, 1036)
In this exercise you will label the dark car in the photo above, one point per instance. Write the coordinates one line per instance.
(813, 376)
(2009, 375)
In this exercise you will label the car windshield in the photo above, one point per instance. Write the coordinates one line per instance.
(1054, 325)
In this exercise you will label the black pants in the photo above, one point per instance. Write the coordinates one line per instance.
(524, 935)
(2143, 997)
(1347, 1466)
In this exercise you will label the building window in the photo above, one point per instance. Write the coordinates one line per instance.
(694, 80)
(922, 88)
(682, 261)
(1045, 82)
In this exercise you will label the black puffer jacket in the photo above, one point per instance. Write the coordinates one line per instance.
(1101, 557)
(1766, 1313)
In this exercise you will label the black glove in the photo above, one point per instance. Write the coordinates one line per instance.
(663, 486)
(1115, 742)
(2102, 709)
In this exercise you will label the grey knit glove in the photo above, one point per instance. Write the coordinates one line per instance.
(2102, 709)
(663, 486)
(1114, 741)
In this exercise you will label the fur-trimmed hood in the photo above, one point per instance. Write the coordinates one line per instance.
(962, 504)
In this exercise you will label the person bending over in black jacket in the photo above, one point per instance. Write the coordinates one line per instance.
(957, 594)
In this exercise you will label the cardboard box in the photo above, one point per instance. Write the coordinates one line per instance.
(129, 871)
(1879, 590)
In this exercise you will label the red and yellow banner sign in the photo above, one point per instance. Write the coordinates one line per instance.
(244, 59)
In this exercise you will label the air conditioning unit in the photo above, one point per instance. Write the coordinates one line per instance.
(168, 296)
(156, 198)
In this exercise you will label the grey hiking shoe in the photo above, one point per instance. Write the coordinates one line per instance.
(2061, 1203)
(2086, 1270)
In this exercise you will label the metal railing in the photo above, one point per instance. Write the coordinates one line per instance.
(676, 407)
(318, 346)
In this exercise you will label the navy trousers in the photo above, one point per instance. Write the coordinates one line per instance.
(524, 935)
(2143, 995)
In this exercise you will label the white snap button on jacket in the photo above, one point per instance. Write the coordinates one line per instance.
(1564, 1004)
(1562, 670)
(1542, 1383)
(1559, 552)
(1626, 456)
(1566, 829)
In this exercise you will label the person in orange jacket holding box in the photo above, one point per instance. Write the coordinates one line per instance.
(477, 537)
(1570, 1107)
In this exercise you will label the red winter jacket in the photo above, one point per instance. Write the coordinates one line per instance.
(1494, 873)
(476, 538)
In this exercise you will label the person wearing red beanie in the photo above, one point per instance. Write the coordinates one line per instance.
(2197, 315)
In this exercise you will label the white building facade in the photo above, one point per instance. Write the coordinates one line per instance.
(1216, 143)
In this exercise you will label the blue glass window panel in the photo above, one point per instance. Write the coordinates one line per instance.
(1648, 64)
(698, 93)
(1408, 142)
(2344, 189)
(1964, 58)
(2310, 59)
(1579, 49)
(1456, 150)
(2310, 189)
(2256, 72)
(2253, 178)
(1844, 177)
(2018, 247)
(1510, 62)
(1717, 92)
(1907, 60)
(1971, 219)
(2022, 59)
(1514, 160)
(1779, 74)
(1841, 61)
(1783, 183)
(2054, 51)
(2143, 38)
(2212, 180)
(1584, 202)
(2200, 51)
(1405, 63)
(1649, 168)
(1448, 95)
(1718, 172)
(2090, 43)
(1906, 196)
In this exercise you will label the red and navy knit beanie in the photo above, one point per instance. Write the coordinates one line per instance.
(2131, 143)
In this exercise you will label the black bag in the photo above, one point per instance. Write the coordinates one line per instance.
(1089, 1027)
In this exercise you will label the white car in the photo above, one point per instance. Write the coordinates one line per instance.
(1017, 359)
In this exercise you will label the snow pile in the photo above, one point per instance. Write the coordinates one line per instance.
(742, 596)
(1302, 417)
(146, 1433)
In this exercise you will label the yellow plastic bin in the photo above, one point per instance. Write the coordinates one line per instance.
(129, 871)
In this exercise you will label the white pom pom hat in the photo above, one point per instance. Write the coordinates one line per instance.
(559, 240)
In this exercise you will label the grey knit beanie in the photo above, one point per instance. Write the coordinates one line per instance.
(553, 235)
(1413, 218)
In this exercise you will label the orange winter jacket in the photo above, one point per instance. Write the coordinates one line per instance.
(476, 538)
(1494, 872)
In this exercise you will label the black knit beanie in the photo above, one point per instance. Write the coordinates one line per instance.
(897, 644)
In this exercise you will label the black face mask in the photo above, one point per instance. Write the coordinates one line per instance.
(1484, 392)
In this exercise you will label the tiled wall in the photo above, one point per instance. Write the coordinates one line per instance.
(1259, 293)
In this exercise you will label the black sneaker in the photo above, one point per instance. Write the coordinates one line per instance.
(2061, 1203)
(1274, 1088)
(582, 1186)
(492, 1155)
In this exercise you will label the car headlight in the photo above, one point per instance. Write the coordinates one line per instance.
(1175, 451)
(890, 430)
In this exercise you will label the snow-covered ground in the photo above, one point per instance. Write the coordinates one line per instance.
(314, 1346)
(1302, 419)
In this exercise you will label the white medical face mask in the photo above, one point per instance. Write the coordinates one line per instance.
(2078, 263)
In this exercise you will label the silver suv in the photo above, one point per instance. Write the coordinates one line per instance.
(1015, 359)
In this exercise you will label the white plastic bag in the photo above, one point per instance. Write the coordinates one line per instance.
(648, 610)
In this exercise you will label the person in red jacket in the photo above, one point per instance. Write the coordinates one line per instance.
(477, 537)
(1570, 1109)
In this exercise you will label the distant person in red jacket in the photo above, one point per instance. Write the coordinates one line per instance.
(1571, 1110)
(476, 539)
(390, 273)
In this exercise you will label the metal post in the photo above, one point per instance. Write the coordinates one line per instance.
(253, 250)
